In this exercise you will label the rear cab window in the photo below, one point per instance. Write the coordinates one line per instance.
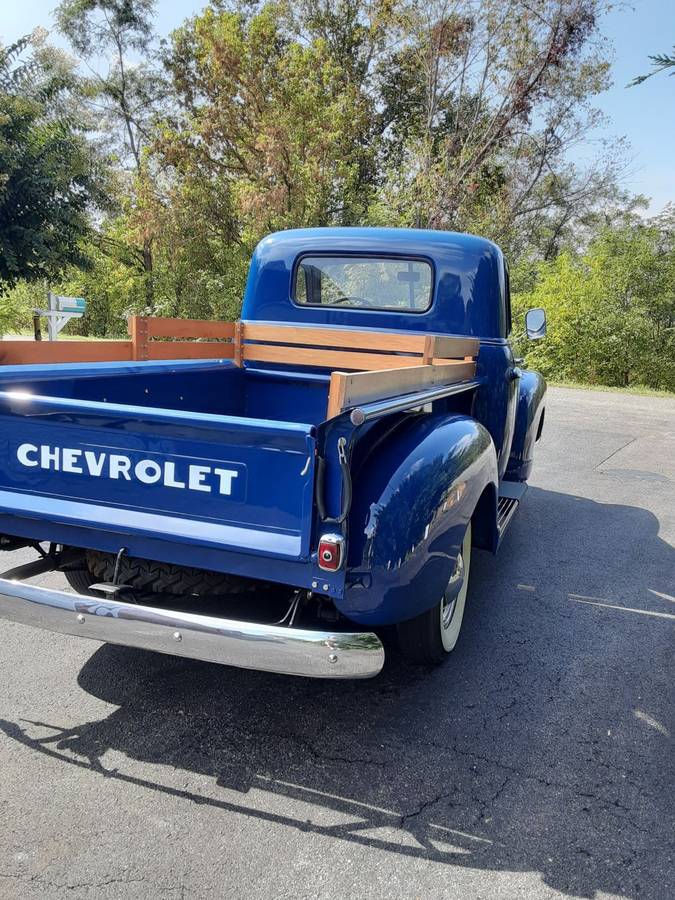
(364, 282)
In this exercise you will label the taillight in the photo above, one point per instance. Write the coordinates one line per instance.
(331, 549)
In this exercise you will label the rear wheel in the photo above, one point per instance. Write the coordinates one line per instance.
(431, 636)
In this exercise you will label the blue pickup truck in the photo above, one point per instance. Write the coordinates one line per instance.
(366, 427)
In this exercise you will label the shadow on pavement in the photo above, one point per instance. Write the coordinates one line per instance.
(542, 745)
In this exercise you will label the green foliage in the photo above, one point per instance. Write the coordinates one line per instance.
(17, 304)
(48, 172)
(271, 123)
(611, 310)
(460, 93)
(258, 115)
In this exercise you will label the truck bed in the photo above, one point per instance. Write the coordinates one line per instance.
(217, 387)
(186, 455)
(206, 463)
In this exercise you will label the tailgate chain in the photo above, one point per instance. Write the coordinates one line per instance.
(346, 485)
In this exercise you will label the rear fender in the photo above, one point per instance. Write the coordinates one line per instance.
(413, 497)
(529, 419)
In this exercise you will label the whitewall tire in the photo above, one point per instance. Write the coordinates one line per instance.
(431, 636)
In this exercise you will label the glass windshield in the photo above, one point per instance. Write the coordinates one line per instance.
(364, 282)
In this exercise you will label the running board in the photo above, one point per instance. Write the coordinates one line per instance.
(506, 507)
(510, 495)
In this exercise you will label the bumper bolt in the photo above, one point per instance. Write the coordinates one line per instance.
(80, 619)
(332, 658)
(177, 636)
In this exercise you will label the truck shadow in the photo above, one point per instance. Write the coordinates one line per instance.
(542, 745)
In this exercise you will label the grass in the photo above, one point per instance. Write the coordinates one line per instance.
(639, 390)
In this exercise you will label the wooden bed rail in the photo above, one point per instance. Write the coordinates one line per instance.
(383, 364)
(324, 347)
(146, 342)
(144, 331)
(365, 364)
(351, 389)
(356, 349)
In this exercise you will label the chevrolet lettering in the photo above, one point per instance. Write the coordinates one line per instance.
(102, 464)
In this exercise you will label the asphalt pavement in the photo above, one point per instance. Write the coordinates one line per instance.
(536, 763)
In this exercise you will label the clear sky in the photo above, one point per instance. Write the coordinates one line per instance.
(645, 114)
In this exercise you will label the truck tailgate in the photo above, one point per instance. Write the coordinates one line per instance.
(219, 481)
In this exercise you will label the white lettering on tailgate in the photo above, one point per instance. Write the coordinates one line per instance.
(193, 477)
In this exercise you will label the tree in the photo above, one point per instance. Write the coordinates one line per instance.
(481, 105)
(125, 97)
(322, 112)
(49, 175)
(611, 310)
(268, 119)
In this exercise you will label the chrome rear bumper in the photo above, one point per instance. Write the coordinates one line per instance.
(270, 648)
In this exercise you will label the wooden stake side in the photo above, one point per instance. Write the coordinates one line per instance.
(238, 343)
(26, 353)
(331, 337)
(326, 359)
(190, 328)
(351, 389)
(138, 329)
(429, 349)
(336, 393)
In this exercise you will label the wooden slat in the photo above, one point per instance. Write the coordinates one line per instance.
(441, 361)
(138, 329)
(238, 344)
(336, 393)
(429, 346)
(189, 328)
(19, 353)
(190, 350)
(330, 359)
(364, 387)
(447, 346)
(351, 339)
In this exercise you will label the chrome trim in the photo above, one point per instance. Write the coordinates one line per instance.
(506, 507)
(366, 411)
(248, 645)
(337, 540)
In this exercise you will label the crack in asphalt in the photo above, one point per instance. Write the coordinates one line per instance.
(406, 817)
(37, 878)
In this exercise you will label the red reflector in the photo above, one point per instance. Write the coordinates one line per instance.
(330, 552)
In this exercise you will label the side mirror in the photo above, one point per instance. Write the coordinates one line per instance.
(535, 324)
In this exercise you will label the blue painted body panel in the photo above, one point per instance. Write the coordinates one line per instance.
(466, 287)
(215, 387)
(495, 403)
(413, 500)
(267, 511)
(529, 420)
(417, 478)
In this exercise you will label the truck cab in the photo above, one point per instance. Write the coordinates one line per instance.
(365, 428)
